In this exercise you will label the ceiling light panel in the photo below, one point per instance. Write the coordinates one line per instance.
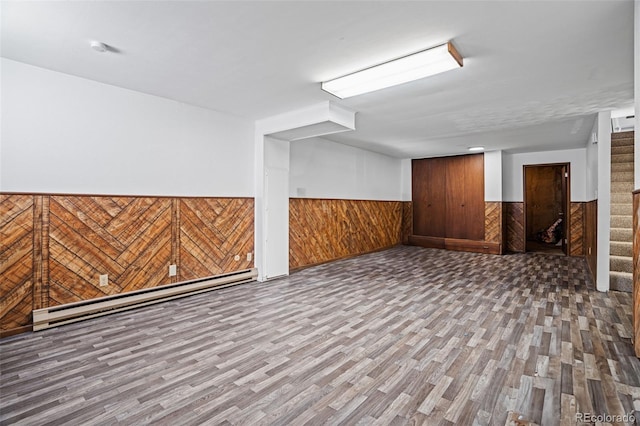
(403, 70)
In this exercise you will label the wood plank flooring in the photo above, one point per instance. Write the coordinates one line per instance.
(404, 336)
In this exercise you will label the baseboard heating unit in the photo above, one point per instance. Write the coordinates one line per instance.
(78, 311)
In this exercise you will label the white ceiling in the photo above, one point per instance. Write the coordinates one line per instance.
(534, 75)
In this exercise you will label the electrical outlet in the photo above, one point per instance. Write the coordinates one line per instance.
(236, 257)
(104, 280)
(173, 270)
(249, 257)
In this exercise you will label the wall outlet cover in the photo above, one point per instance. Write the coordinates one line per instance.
(104, 280)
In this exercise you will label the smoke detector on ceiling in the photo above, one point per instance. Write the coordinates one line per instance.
(98, 46)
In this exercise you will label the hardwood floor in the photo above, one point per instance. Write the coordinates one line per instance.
(405, 336)
(538, 247)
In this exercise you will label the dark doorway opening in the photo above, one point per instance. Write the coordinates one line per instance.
(546, 208)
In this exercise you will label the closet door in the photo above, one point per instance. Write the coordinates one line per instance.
(456, 219)
(474, 196)
(465, 197)
(428, 188)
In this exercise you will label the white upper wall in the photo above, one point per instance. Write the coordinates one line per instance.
(407, 180)
(493, 176)
(512, 180)
(323, 169)
(592, 165)
(64, 134)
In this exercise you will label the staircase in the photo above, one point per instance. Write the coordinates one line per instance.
(621, 251)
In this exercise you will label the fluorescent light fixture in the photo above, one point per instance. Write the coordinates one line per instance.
(408, 68)
(476, 148)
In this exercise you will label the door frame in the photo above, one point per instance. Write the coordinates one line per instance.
(566, 223)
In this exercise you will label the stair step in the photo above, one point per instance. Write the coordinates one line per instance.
(622, 142)
(622, 158)
(621, 198)
(621, 281)
(622, 149)
(622, 176)
(628, 134)
(621, 264)
(622, 187)
(620, 221)
(621, 234)
(621, 209)
(621, 167)
(621, 248)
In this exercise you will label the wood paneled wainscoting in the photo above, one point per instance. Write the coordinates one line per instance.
(407, 221)
(576, 229)
(578, 215)
(494, 223)
(515, 226)
(591, 236)
(504, 225)
(322, 230)
(636, 271)
(55, 247)
(20, 279)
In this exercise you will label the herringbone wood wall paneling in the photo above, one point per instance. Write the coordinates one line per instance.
(41, 210)
(128, 238)
(591, 235)
(323, 230)
(16, 261)
(493, 222)
(577, 229)
(407, 221)
(515, 226)
(636, 271)
(212, 232)
(54, 248)
(515, 229)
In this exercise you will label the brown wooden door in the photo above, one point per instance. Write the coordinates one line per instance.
(428, 187)
(544, 192)
(456, 222)
(474, 196)
(546, 199)
(448, 197)
(465, 197)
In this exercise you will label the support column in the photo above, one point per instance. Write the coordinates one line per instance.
(273, 136)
